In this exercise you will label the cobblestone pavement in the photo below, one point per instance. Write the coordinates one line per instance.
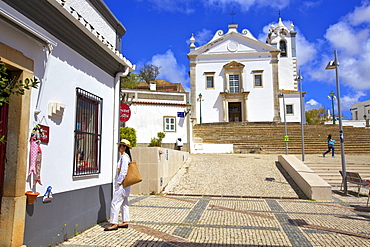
(238, 200)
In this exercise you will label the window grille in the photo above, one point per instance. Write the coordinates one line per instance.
(87, 133)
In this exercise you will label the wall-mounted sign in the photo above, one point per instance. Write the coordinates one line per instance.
(124, 112)
(46, 130)
(180, 114)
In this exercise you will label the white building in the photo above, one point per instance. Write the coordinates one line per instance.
(240, 78)
(163, 108)
(360, 110)
(73, 47)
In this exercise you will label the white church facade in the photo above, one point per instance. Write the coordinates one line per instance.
(237, 78)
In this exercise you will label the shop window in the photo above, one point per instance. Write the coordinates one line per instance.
(87, 133)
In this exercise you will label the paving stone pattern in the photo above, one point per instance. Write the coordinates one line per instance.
(231, 203)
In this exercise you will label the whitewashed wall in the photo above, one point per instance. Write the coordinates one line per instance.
(148, 121)
(260, 100)
(291, 100)
(60, 74)
(147, 118)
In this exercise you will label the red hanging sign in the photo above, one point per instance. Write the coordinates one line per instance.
(45, 137)
(124, 112)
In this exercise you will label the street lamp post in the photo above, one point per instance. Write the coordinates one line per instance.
(299, 79)
(332, 97)
(334, 65)
(286, 138)
(200, 108)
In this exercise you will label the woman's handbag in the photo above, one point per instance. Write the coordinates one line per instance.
(133, 175)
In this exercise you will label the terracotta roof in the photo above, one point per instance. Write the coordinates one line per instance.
(163, 85)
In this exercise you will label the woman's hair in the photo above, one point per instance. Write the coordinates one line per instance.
(329, 137)
(128, 152)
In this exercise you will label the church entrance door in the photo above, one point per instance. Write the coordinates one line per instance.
(235, 114)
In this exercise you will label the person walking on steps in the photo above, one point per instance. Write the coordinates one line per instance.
(120, 194)
(331, 143)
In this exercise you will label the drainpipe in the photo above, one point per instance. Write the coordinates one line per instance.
(48, 48)
(116, 102)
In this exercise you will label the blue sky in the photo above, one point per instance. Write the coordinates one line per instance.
(158, 32)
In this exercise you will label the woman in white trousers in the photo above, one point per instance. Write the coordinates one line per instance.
(120, 194)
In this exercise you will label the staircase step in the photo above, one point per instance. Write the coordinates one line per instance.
(269, 137)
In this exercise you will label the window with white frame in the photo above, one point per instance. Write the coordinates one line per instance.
(234, 83)
(87, 133)
(169, 124)
(289, 109)
(210, 80)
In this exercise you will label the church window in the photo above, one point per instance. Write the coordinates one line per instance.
(289, 109)
(210, 79)
(257, 77)
(233, 77)
(210, 83)
(283, 49)
(234, 83)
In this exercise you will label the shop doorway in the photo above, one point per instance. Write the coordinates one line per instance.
(235, 114)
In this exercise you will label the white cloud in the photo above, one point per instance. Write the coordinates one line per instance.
(170, 69)
(347, 101)
(360, 15)
(312, 104)
(351, 37)
(203, 36)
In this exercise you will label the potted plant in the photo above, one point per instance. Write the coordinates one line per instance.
(31, 196)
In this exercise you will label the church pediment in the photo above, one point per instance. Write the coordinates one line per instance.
(233, 43)
(234, 65)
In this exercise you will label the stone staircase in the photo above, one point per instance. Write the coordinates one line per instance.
(269, 137)
(330, 172)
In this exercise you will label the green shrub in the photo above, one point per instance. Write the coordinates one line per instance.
(129, 134)
(157, 142)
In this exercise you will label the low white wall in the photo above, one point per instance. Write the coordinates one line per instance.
(204, 148)
(354, 123)
(309, 182)
(157, 166)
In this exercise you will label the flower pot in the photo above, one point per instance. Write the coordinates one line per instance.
(31, 196)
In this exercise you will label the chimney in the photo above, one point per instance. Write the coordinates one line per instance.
(152, 86)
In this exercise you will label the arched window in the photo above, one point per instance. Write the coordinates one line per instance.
(283, 50)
